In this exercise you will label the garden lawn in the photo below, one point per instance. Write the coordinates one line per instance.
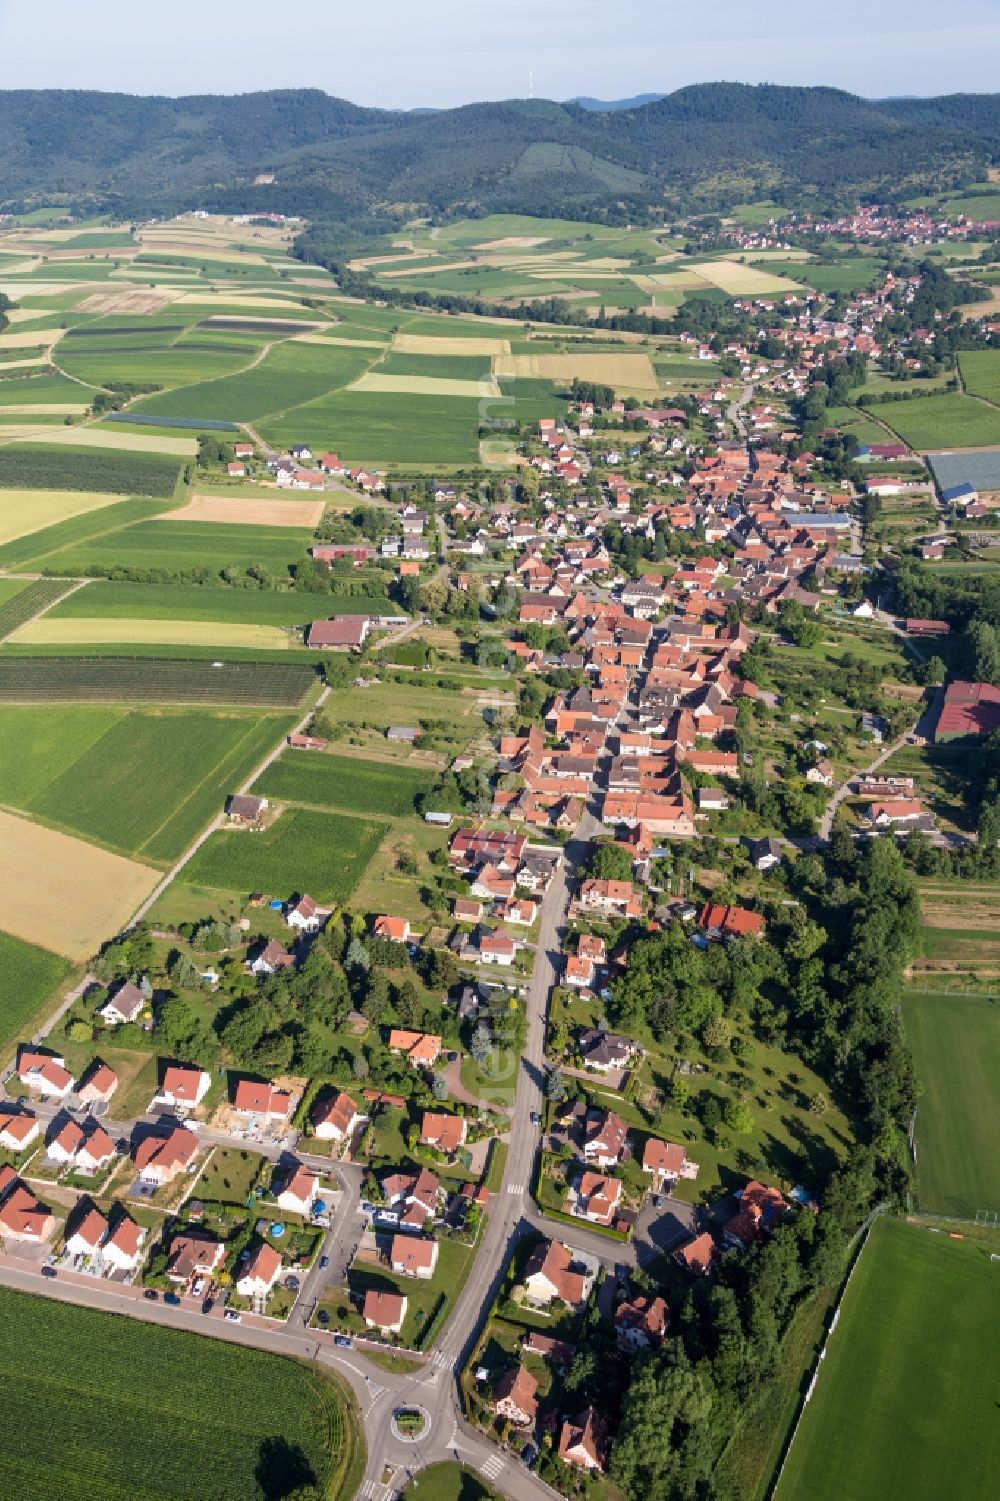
(29, 977)
(449, 1482)
(905, 1404)
(357, 786)
(229, 1176)
(323, 854)
(207, 1418)
(956, 1051)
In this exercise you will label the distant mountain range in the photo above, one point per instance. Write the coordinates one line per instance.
(700, 148)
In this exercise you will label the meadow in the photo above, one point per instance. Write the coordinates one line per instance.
(207, 1418)
(981, 372)
(905, 1403)
(327, 781)
(955, 1040)
(28, 978)
(139, 781)
(323, 854)
(952, 421)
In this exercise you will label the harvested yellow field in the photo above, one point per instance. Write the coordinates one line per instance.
(318, 338)
(11, 429)
(425, 385)
(33, 361)
(73, 632)
(43, 408)
(431, 344)
(513, 242)
(738, 280)
(29, 338)
(231, 510)
(130, 300)
(245, 299)
(26, 511)
(92, 437)
(793, 253)
(628, 371)
(89, 894)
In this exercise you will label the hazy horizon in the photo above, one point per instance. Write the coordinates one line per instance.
(437, 55)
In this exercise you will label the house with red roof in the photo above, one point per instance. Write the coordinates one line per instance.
(260, 1272)
(515, 1397)
(335, 1117)
(584, 1441)
(384, 1311)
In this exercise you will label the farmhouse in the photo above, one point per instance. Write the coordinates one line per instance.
(384, 1311)
(242, 808)
(342, 633)
(413, 1256)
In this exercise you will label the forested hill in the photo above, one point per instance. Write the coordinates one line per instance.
(706, 147)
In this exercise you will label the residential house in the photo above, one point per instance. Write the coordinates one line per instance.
(300, 1187)
(444, 1132)
(413, 1256)
(422, 1049)
(697, 1255)
(87, 1235)
(664, 1161)
(384, 1311)
(260, 1272)
(761, 1207)
(604, 1137)
(125, 1004)
(45, 1074)
(549, 1275)
(583, 1441)
(304, 916)
(335, 1117)
(394, 929)
(22, 1216)
(595, 1198)
(412, 1197)
(194, 1255)
(605, 1051)
(122, 1247)
(258, 1098)
(515, 1397)
(184, 1085)
(270, 958)
(18, 1129)
(765, 854)
(729, 922)
(160, 1158)
(642, 1323)
(98, 1085)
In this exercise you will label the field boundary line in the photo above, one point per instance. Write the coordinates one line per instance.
(861, 1235)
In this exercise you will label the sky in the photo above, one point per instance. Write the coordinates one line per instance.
(409, 53)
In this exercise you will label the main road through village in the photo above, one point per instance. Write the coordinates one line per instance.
(434, 1387)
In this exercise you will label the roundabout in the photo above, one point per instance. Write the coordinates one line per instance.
(410, 1423)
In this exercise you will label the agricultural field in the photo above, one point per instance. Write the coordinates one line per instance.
(179, 546)
(141, 782)
(955, 1040)
(328, 781)
(93, 631)
(193, 602)
(388, 428)
(235, 510)
(323, 854)
(208, 1418)
(96, 894)
(25, 600)
(26, 512)
(29, 977)
(80, 679)
(905, 1403)
(952, 421)
(981, 372)
(27, 468)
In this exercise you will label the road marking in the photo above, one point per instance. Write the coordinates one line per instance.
(515, 1188)
(491, 1467)
(440, 1358)
(373, 1491)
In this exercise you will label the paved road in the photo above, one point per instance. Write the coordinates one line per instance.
(843, 789)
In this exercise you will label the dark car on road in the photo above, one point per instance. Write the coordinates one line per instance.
(49, 1271)
(343, 1341)
(324, 1262)
(172, 1299)
(151, 1295)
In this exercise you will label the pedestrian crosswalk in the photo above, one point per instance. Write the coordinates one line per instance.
(373, 1491)
(515, 1188)
(442, 1359)
(491, 1467)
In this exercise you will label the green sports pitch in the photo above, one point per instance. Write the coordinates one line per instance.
(906, 1400)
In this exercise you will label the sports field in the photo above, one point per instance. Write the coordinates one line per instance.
(323, 854)
(955, 1040)
(62, 894)
(180, 1418)
(906, 1401)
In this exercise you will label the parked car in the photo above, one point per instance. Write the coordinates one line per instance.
(151, 1295)
(208, 1305)
(529, 1455)
(324, 1262)
(232, 1316)
(366, 1208)
(293, 1284)
(343, 1341)
(49, 1271)
(172, 1299)
(323, 1317)
(536, 1119)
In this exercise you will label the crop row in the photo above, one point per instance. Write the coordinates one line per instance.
(113, 474)
(25, 605)
(152, 680)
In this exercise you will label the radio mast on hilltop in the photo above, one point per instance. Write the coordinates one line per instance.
(531, 83)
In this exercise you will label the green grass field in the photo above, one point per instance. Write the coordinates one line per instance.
(107, 601)
(323, 854)
(956, 1050)
(176, 546)
(387, 427)
(142, 782)
(206, 1418)
(345, 782)
(906, 1399)
(28, 977)
(288, 375)
(952, 421)
(981, 372)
